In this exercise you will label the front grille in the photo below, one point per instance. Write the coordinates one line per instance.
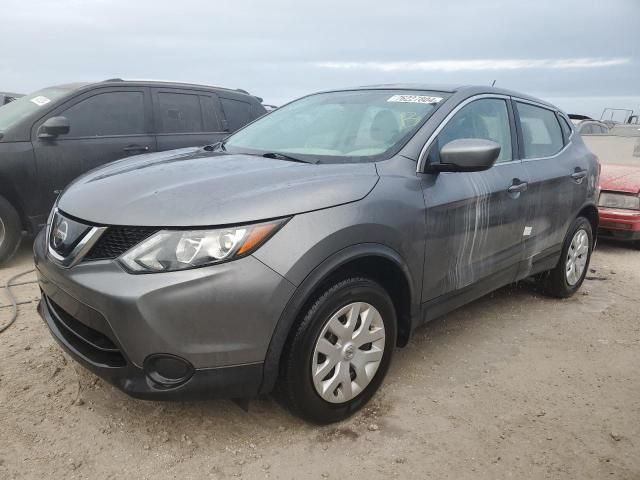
(117, 240)
(94, 345)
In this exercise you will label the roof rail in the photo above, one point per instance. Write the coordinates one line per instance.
(113, 80)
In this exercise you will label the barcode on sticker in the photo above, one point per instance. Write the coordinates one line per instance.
(414, 99)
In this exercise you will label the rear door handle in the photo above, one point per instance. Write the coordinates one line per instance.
(578, 175)
(518, 187)
(136, 148)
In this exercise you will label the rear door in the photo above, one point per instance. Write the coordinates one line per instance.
(106, 124)
(187, 118)
(237, 112)
(475, 220)
(558, 181)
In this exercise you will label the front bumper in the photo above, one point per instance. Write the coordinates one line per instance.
(220, 319)
(619, 224)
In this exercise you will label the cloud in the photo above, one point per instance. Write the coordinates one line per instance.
(476, 65)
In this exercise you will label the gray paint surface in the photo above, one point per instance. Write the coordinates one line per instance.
(454, 236)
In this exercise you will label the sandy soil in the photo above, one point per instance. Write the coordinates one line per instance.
(512, 386)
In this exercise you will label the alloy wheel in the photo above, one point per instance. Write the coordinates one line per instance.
(577, 257)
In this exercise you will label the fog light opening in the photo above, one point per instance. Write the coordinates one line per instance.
(167, 370)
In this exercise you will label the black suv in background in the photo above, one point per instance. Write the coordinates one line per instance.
(50, 137)
(6, 97)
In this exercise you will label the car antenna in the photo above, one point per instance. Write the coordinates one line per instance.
(493, 83)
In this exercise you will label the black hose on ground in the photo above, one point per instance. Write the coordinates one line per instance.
(12, 298)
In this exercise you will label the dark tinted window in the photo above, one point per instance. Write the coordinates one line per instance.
(212, 114)
(541, 132)
(238, 113)
(179, 113)
(105, 114)
(487, 119)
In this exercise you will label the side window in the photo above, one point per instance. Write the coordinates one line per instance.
(541, 132)
(212, 114)
(106, 114)
(566, 128)
(486, 118)
(238, 113)
(179, 113)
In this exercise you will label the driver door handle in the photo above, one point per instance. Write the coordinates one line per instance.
(518, 187)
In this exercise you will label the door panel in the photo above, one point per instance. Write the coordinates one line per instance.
(187, 118)
(558, 183)
(475, 221)
(106, 125)
(474, 227)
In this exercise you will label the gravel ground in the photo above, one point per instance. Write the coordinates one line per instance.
(514, 385)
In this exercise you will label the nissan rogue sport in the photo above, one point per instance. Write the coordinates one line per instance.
(300, 251)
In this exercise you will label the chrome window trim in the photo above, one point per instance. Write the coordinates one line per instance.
(79, 251)
(423, 153)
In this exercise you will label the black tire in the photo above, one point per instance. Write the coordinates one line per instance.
(10, 231)
(554, 282)
(296, 386)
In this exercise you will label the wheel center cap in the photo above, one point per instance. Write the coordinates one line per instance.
(348, 351)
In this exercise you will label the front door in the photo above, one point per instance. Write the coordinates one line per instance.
(475, 221)
(105, 125)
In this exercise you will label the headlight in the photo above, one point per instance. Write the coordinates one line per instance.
(170, 250)
(619, 200)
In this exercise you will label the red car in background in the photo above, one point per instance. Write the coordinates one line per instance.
(619, 204)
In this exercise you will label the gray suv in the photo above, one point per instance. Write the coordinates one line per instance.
(300, 251)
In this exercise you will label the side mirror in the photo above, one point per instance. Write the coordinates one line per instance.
(53, 127)
(466, 155)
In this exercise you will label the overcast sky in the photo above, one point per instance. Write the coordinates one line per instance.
(583, 55)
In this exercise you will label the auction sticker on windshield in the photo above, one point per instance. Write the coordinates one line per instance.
(414, 99)
(40, 100)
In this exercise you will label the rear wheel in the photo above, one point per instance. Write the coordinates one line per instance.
(10, 230)
(567, 277)
(340, 351)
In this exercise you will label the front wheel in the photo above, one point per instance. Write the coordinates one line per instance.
(567, 277)
(340, 351)
(10, 231)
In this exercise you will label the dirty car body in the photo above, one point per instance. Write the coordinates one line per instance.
(371, 203)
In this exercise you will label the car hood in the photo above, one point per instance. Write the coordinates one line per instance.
(620, 178)
(193, 187)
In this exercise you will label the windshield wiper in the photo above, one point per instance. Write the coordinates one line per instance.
(215, 147)
(282, 156)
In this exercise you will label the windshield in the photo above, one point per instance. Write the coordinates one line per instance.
(364, 125)
(13, 112)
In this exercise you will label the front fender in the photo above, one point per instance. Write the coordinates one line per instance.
(305, 290)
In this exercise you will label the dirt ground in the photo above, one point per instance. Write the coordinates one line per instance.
(514, 385)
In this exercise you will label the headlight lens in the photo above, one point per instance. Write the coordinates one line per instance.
(619, 200)
(170, 250)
